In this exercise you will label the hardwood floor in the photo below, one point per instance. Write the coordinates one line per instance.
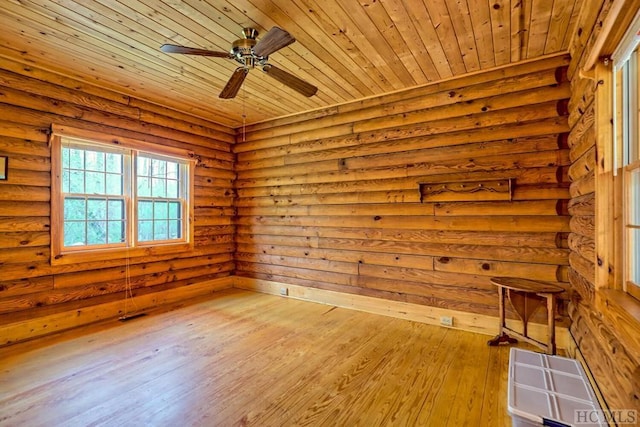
(243, 358)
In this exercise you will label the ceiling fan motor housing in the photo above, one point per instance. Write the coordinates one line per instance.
(242, 49)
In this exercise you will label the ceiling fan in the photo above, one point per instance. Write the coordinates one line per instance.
(250, 53)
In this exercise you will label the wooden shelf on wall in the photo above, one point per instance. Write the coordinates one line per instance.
(466, 191)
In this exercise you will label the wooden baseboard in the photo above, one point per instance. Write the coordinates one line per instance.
(573, 351)
(478, 323)
(32, 328)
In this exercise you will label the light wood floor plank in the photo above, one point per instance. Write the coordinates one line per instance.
(247, 359)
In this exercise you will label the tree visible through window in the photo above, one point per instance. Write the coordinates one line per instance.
(94, 198)
(159, 203)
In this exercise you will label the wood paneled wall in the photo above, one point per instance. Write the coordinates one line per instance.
(331, 199)
(614, 361)
(30, 101)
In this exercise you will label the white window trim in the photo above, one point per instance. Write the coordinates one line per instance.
(62, 257)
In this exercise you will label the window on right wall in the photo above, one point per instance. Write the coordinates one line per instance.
(626, 63)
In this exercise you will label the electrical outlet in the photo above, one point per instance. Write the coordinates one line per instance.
(446, 320)
(284, 291)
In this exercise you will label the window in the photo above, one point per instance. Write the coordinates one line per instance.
(627, 141)
(118, 199)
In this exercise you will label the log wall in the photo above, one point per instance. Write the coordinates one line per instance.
(351, 198)
(608, 343)
(30, 287)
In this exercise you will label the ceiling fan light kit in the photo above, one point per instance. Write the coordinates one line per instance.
(249, 53)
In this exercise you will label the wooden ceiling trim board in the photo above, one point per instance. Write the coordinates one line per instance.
(517, 30)
(482, 31)
(539, 27)
(366, 30)
(461, 20)
(406, 25)
(332, 20)
(347, 84)
(575, 14)
(446, 34)
(404, 48)
(500, 31)
(425, 30)
(527, 6)
(372, 78)
(558, 24)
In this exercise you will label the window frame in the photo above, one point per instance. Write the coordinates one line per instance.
(626, 148)
(63, 255)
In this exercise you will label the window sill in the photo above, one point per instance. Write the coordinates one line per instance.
(622, 312)
(119, 253)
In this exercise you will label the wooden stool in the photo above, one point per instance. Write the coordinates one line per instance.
(526, 296)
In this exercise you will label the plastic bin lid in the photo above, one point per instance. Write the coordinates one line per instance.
(551, 389)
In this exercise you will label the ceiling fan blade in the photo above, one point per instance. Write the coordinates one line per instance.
(290, 80)
(234, 83)
(275, 39)
(172, 48)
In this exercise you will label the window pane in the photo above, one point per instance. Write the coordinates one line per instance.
(65, 157)
(74, 233)
(97, 209)
(114, 163)
(634, 197)
(76, 158)
(95, 183)
(94, 161)
(116, 209)
(144, 187)
(144, 166)
(116, 232)
(114, 184)
(172, 170)
(175, 229)
(158, 186)
(158, 168)
(76, 182)
(145, 210)
(174, 210)
(145, 230)
(160, 230)
(97, 232)
(172, 189)
(65, 180)
(74, 208)
(160, 210)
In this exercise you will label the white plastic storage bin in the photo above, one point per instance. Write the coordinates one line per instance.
(548, 390)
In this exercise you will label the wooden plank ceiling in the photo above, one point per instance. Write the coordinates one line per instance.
(349, 49)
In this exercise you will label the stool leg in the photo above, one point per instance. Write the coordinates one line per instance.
(502, 336)
(501, 298)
